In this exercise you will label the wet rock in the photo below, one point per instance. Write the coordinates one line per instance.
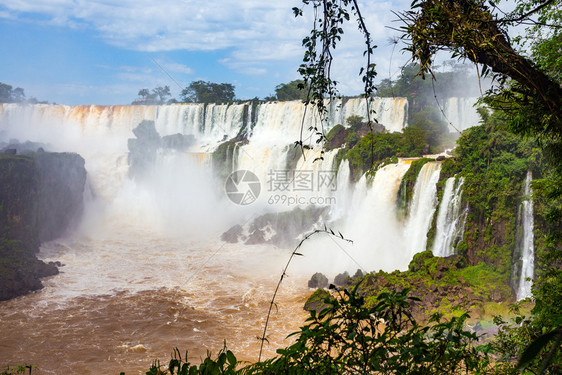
(318, 280)
(286, 227)
(10, 151)
(42, 197)
(146, 131)
(341, 279)
(358, 273)
(180, 142)
(318, 301)
(61, 199)
(233, 235)
(256, 237)
(143, 149)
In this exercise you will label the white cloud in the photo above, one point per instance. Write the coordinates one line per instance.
(257, 34)
(6, 15)
(175, 67)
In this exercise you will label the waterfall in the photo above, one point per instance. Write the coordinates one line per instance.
(526, 242)
(450, 220)
(365, 210)
(266, 123)
(373, 223)
(344, 191)
(422, 207)
(461, 113)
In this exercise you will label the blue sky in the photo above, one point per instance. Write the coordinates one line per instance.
(104, 51)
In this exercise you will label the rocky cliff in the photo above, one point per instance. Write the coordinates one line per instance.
(40, 199)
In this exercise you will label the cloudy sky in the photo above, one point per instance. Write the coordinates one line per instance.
(104, 51)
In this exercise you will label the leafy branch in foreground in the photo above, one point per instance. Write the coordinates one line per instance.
(346, 337)
(293, 254)
(316, 69)
(224, 364)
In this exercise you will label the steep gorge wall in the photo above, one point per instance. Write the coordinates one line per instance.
(40, 199)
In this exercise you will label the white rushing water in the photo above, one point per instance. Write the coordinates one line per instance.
(450, 219)
(422, 207)
(460, 113)
(526, 243)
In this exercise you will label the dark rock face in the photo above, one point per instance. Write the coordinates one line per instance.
(256, 237)
(40, 199)
(282, 229)
(62, 178)
(144, 148)
(232, 235)
(341, 279)
(180, 142)
(358, 273)
(19, 187)
(318, 280)
(14, 147)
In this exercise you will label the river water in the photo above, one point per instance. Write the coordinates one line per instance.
(128, 297)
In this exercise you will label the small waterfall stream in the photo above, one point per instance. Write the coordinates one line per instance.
(450, 219)
(526, 242)
(422, 207)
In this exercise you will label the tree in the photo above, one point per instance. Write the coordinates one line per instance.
(294, 90)
(162, 93)
(159, 95)
(11, 95)
(469, 30)
(208, 92)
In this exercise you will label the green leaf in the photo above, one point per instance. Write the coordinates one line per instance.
(231, 358)
(534, 348)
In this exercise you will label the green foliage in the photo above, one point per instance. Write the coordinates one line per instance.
(456, 81)
(430, 120)
(372, 150)
(224, 364)
(349, 338)
(317, 300)
(208, 92)
(8, 94)
(494, 164)
(443, 285)
(408, 182)
(525, 345)
(354, 122)
(17, 370)
(352, 139)
(336, 137)
(486, 281)
(294, 90)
